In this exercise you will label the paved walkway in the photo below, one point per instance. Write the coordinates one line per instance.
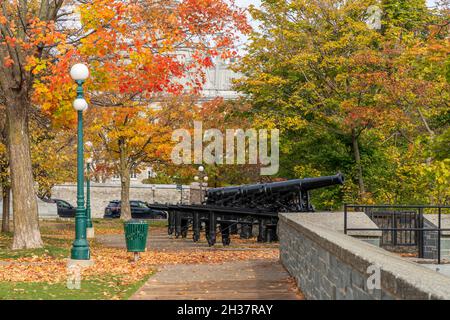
(252, 280)
(237, 280)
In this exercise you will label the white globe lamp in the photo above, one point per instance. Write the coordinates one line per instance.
(80, 104)
(79, 72)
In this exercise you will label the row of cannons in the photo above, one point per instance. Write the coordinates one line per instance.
(244, 209)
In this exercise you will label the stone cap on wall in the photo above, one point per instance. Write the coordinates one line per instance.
(403, 278)
(133, 185)
(335, 221)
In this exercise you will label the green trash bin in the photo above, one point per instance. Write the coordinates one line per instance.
(136, 236)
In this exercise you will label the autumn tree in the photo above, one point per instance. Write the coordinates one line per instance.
(131, 138)
(218, 114)
(4, 173)
(343, 93)
(53, 153)
(130, 46)
(163, 51)
(228, 115)
(320, 58)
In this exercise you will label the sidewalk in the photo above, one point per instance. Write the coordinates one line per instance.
(243, 280)
(236, 280)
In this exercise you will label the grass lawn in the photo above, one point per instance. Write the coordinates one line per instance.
(96, 288)
(54, 247)
(102, 283)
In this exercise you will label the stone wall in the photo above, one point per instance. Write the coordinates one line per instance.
(45, 210)
(102, 193)
(335, 221)
(330, 265)
(430, 241)
(430, 238)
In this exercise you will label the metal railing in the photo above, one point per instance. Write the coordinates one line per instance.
(401, 225)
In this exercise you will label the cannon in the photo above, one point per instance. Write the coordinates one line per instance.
(283, 196)
(238, 209)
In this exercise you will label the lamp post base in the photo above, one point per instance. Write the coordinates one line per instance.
(80, 250)
(79, 263)
(90, 233)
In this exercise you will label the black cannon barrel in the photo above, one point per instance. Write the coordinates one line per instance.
(281, 186)
(321, 182)
(224, 191)
(305, 184)
(252, 189)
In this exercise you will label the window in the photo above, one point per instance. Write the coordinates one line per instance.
(150, 174)
(142, 205)
(134, 204)
(64, 204)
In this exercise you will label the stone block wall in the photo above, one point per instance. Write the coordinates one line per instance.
(102, 194)
(329, 265)
(430, 242)
(45, 210)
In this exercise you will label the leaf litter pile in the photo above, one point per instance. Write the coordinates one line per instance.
(116, 262)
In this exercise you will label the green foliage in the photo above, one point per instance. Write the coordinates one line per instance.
(372, 104)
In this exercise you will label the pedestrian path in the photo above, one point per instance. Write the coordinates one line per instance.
(242, 280)
(234, 280)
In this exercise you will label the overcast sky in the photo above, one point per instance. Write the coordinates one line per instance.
(246, 3)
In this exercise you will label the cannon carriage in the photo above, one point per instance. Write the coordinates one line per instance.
(238, 209)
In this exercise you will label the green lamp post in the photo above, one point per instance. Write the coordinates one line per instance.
(80, 248)
(90, 227)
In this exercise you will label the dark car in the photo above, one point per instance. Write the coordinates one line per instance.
(65, 209)
(113, 209)
(139, 210)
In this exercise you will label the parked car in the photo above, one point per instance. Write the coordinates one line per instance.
(112, 210)
(139, 210)
(65, 209)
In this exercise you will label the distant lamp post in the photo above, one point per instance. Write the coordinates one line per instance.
(80, 248)
(153, 193)
(89, 227)
(201, 176)
(179, 186)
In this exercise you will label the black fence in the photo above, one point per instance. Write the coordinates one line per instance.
(401, 225)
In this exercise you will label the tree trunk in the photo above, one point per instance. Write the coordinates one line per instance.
(6, 206)
(125, 209)
(357, 156)
(25, 209)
